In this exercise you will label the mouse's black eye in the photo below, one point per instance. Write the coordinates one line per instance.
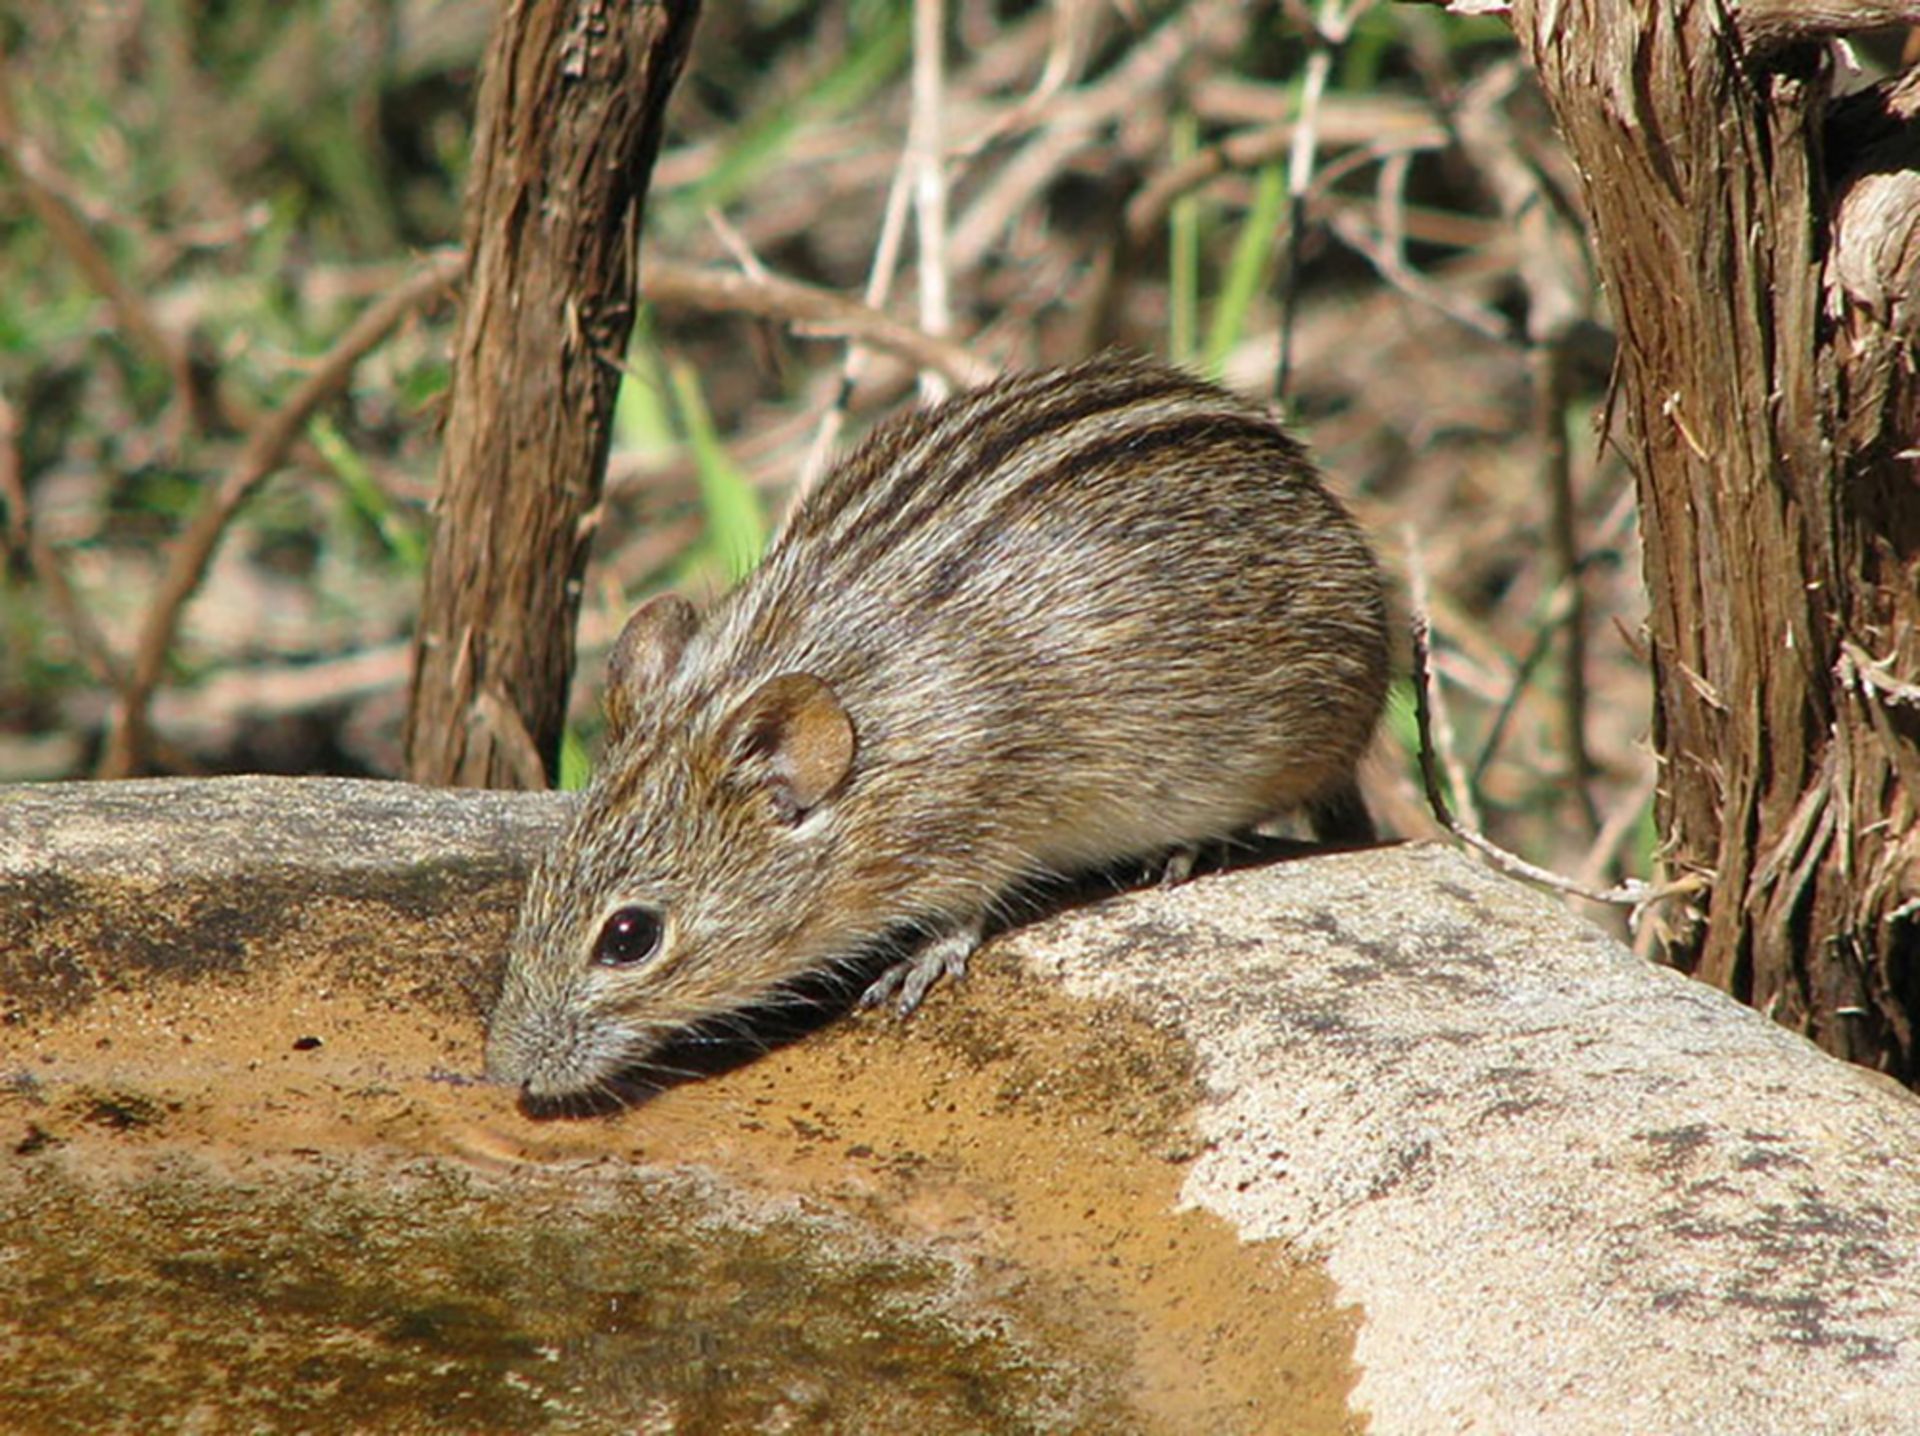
(631, 935)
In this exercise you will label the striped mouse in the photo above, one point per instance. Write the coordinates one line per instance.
(1075, 617)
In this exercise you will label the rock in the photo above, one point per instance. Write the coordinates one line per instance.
(1572, 1192)
(1568, 1192)
(105, 885)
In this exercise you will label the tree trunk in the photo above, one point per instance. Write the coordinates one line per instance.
(567, 127)
(1760, 248)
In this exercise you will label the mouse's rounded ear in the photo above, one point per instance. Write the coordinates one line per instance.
(793, 736)
(645, 655)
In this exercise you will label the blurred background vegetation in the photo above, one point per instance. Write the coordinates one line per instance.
(196, 199)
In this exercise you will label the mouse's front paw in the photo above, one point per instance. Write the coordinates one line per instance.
(912, 978)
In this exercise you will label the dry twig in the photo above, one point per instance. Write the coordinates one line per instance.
(926, 142)
(810, 309)
(1329, 30)
(1410, 282)
(1374, 131)
(1632, 893)
(886, 261)
(1419, 592)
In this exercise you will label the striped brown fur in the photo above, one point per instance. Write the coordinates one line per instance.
(1073, 617)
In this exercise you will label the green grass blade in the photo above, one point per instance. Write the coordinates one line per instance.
(1401, 721)
(403, 540)
(1253, 251)
(736, 527)
(576, 769)
(642, 415)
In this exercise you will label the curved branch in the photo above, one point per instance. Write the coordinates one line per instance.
(821, 310)
(1767, 25)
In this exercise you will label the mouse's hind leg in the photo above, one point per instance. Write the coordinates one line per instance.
(1340, 816)
(1177, 865)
